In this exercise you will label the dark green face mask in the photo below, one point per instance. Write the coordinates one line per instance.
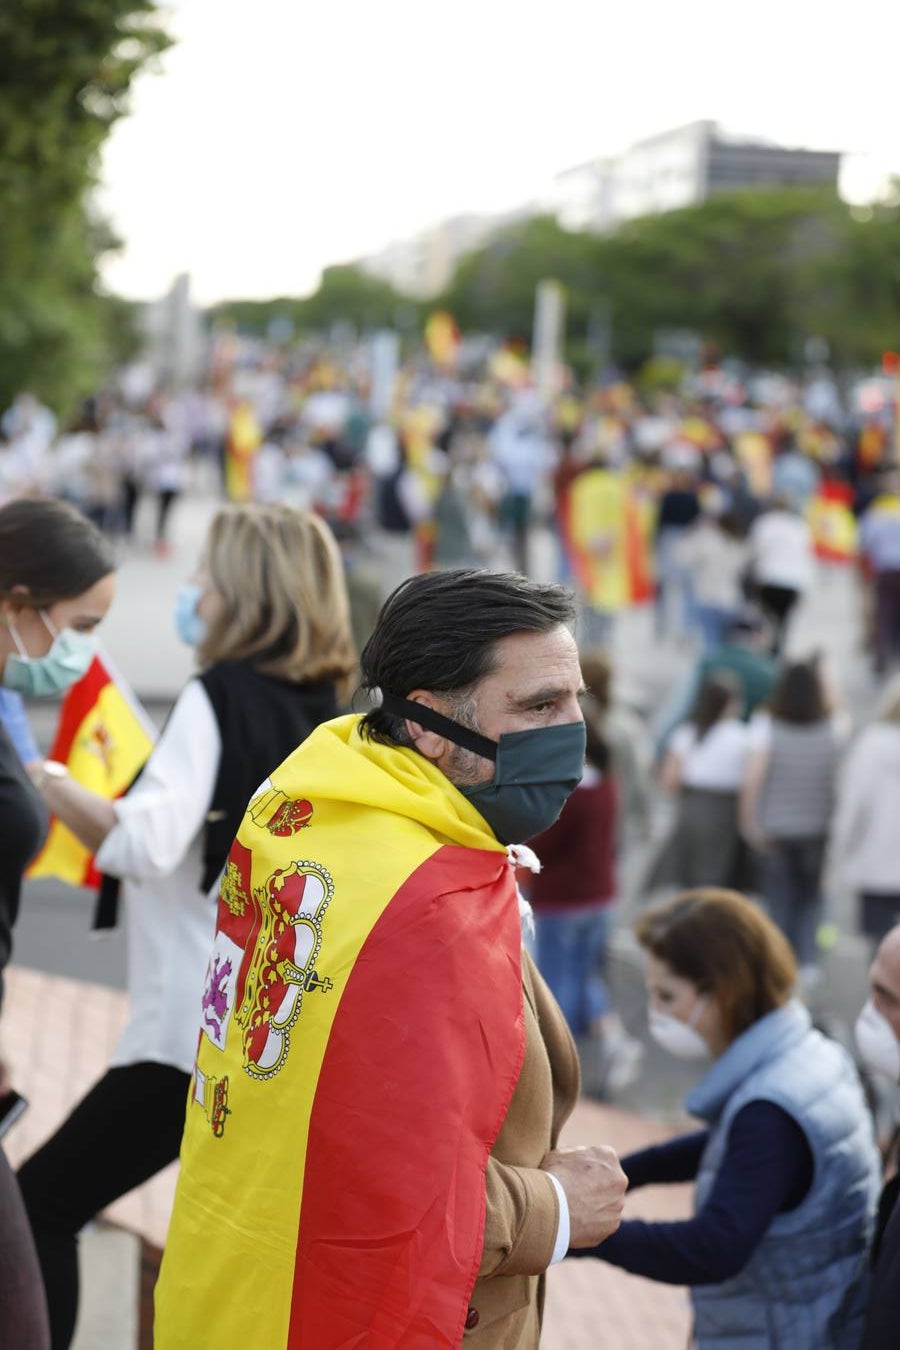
(534, 771)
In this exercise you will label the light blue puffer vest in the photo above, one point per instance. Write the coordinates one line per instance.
(804, 1287)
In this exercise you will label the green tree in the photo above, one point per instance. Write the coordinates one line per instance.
(757, 272)
(726, 269)
(345, 295)
(493, 288)
(854, 296)
(66, 67)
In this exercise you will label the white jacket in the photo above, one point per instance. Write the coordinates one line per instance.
(865, 836)
(781, 551)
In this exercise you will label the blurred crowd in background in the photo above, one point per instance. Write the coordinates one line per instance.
(452, 459)
(715, 497)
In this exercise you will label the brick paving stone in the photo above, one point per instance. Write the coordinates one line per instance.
(58, 1038)
(592, 1306)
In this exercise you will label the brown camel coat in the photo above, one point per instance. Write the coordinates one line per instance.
(522, 1215)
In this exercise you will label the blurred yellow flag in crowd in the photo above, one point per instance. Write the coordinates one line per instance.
(442, 338)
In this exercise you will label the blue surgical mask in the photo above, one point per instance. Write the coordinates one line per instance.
(188, 624)
(535, 771)
(43, 676)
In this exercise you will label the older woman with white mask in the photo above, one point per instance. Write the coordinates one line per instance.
(786, 1169)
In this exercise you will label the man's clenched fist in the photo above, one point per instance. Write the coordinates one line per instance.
(595, 1187)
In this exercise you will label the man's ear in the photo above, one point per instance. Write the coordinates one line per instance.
(428, 743)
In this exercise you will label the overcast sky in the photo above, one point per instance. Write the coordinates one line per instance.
(278, 136)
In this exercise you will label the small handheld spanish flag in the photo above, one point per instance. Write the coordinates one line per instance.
(104, 737)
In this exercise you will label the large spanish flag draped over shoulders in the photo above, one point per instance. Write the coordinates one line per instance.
(104, 736)
(362, 1034)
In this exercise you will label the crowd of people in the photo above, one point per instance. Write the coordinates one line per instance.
(389, 931)
(726, 486)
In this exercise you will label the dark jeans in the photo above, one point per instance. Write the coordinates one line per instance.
(163, 510)
(23, 1313)
(713, 622)
(131, 491)
(887, 619)
(123, 1132)
(791, 877)
(778, 601)
(674, 585)
(880, 911)
(571, 954)
(515, 515)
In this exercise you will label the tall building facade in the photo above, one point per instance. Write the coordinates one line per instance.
(679, 168)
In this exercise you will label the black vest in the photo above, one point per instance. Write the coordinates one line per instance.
(261, 720)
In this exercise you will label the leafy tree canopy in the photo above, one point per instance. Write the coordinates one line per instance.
(758, 272)
(345, 295)
(66, 67)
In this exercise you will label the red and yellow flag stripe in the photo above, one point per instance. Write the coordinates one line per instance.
(362, 1037)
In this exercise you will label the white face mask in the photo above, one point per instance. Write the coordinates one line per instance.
(680, 1039)
(878, 1047)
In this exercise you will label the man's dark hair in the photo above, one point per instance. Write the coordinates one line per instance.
(439, 630)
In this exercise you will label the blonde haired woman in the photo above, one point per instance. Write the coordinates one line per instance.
(267, 611)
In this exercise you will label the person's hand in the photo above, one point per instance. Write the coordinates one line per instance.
(595, 1187)
(756, 839)
(5, 1083)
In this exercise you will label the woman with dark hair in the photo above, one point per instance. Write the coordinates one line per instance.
(704, 765)
(56, 584)
(787, 801)
(267, 611)
(786, 1171)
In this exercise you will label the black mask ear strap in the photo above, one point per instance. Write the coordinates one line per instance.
(444, 726)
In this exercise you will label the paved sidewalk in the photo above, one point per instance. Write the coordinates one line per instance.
(58, 1038)
(59, 1035)
(592, 1306)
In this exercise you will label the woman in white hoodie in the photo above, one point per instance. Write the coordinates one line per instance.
(865, 840)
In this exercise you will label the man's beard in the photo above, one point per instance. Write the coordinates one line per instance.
(464, 768)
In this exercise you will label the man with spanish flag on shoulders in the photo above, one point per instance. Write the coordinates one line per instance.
(370, 1148)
